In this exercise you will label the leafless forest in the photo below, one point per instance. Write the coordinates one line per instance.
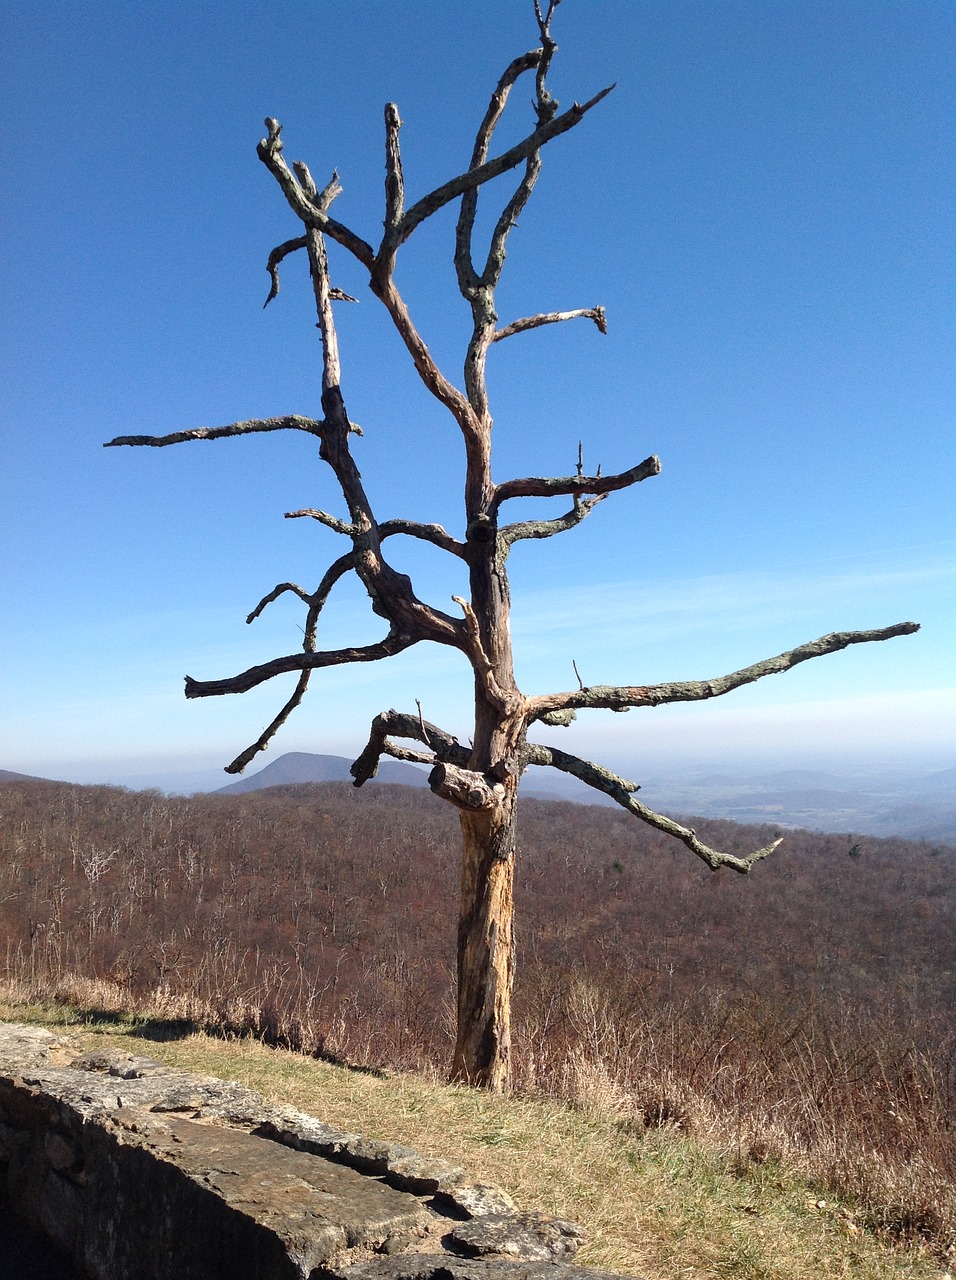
(804, 1012)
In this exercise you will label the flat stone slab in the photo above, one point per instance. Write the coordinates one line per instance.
(141, 1172)
(315, 1207)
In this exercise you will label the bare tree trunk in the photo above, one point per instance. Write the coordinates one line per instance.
(486, 947)
(486, 912)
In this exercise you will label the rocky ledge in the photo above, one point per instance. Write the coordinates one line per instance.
(141, 1172)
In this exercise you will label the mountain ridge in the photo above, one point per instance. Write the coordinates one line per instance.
(305, 766)
(875, 802)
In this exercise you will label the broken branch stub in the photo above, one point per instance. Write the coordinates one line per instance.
(464, 788)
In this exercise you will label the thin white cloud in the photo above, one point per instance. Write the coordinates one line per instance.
(658, 610)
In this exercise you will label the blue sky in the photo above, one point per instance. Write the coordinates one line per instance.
(765, 207)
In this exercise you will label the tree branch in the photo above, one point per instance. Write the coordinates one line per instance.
(621, 791)
(433, 533)
(444, 746)
(272, 266)
(338, 569)
(558, 486)
(269, 151)
(597, 314)
(481, 663)
(393, 643)
(315, 601)
(476, 177)
(274, 594)
(464, 788)
(467, 276)
(444, 391)
(323, 517)
(292, 422)
(394, 179)
(548, 528)
(391, 592)
(617, 698)
(545, 106)
(269, 733)
(507, 221)
(407, 755)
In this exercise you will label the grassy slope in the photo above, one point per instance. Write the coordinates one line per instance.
(654, 1202)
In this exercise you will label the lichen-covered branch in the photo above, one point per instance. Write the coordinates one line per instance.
(622, 791)
(561, 486)
(620, 697)
(597, 314)
(548, 528)
(291, 422)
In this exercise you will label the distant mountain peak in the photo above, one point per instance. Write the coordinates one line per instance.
(304, 766)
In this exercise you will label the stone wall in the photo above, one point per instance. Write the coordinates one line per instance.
(140, 1172)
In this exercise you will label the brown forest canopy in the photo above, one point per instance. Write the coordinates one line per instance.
(143, 888)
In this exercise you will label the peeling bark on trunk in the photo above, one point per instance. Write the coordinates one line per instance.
(486, 913)
(486, 947)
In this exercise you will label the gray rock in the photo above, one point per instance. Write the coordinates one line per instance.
(432, 1267)
(478, 1199)
(114, 1062)
(142, 1172)
(529, 1237)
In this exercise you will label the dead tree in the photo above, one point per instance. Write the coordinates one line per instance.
(480, 779)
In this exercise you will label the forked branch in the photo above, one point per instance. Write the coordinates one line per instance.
(316, 600)
(467, 276)
(303, 203)
(478, 176)
(275, 593)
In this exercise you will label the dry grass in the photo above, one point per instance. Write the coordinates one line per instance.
(655, 1200)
